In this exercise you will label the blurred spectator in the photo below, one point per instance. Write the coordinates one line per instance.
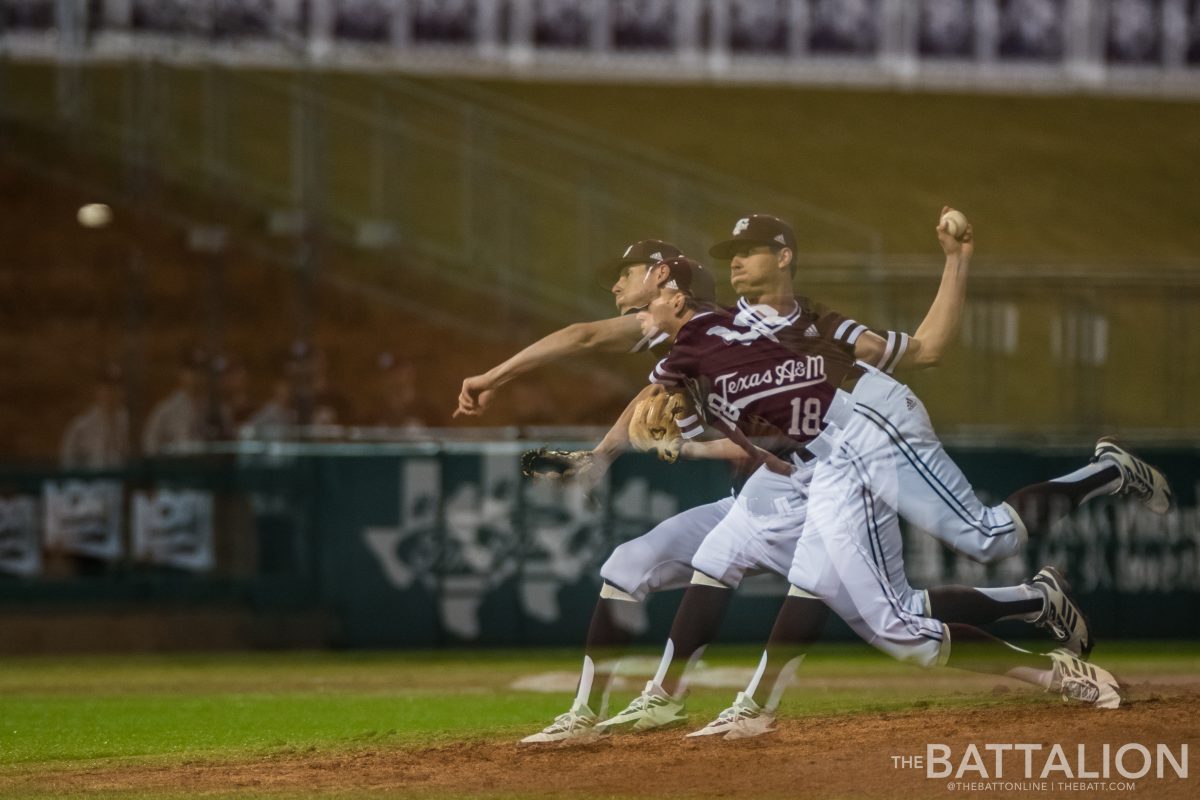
(400, 403)
(271, 421)
(180, 416)
(562, 23)
(844, 26)
(330, 406)
(947, 28)
(314, 398)
(234, 383)
(1031, 29)
(27, 14)
(758, 26)
(450, 21)
(643, 24)
(1134, 28)
(363, 20)
(99, 437)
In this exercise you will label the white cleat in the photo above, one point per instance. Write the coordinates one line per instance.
(1138, 478)
(653, 708)
(1061, 615)
(742, 720)
(577, 724)
(1086, 683)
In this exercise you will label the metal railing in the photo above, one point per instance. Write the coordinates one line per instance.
(1119, 46)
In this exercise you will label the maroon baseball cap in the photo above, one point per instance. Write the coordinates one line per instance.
(647, 251)
(691, 278)
(753, 231)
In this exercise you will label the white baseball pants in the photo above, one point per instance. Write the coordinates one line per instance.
(661, 559)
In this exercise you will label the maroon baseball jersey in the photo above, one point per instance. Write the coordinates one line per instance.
(772, 376)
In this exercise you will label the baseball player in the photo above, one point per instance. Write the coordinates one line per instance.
(870, 454)
(762, 267)
(658, 560)
(1044, 600)
(661, 558)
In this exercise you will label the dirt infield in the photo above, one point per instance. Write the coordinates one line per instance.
(821, 756)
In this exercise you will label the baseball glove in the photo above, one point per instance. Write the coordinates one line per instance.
(554, 464)
(654, 426)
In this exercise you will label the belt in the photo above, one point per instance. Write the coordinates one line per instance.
(801, 455)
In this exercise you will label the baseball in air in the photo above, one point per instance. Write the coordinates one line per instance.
(94, 215)
(955, 223)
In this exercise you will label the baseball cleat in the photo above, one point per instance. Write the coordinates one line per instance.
(1086, 683)
(653, 708)
(578, 723)
(1138, 478)
(742, 720)
(1061, 615)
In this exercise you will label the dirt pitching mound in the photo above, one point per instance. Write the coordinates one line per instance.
(821, 756)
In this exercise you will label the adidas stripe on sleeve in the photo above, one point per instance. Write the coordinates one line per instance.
(663, 375)
(897, 345)
(692, 425)
(847, 331)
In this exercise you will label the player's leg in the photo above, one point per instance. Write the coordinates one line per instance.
(659, 560)
(802, 619)
(803, 614)
(935, 495)
(700, 611)
(855, 580)
(1060, 670)
(798, 625)
(931, 492)
(758, 534)
(1045, 601)
(1112, 470)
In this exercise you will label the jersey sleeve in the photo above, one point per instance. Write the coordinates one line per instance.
(845, 331)
(838, 328)
(675, 373)
(690, 426)
(665, 373)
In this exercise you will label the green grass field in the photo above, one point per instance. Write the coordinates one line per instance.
(64, 715)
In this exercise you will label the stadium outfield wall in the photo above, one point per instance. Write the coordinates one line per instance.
(431, 545)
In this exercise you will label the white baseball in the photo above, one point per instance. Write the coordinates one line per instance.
(954, 223)
(94, 215)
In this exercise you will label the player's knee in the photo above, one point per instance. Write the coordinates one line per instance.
(921, 653)
(610, 592)
(628, 566)
(1003, 536)
(704, 579)
(990, 549)
(714, 570)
